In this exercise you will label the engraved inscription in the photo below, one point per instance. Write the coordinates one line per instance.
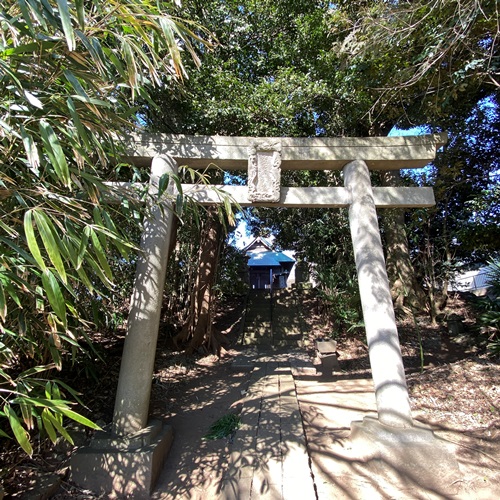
(264, 172)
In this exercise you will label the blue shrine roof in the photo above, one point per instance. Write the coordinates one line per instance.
(268, 259)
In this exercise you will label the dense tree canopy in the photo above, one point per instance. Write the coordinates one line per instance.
(350, 68)
(306, 68)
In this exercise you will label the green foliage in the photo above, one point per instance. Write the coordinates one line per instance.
(339, 292)
(225, 426)
(69, 76)
(269, 75)
(308, 68)
(463, 227)
(355, 68)
(489, 317)
(419, 61)
(232, 279)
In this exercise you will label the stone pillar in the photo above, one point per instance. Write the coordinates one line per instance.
(391, 392)
(136, 371)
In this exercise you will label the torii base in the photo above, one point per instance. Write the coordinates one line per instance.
(409, 456)
(123, 466)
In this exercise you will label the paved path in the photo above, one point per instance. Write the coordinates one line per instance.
(272, 319)
(294, 441)
(269, 457)
(295, 429)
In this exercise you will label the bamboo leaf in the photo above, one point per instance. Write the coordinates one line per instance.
(25, 255)
(26, 14)
(47, 425)
(80, 13)
(116, 62)
(12, 292)
(72, 391)
(47, 232)
(19, 431)
(64, 13)
(77, 122)
(101, 257)
(31, 151)
(48, 390)
(77, 86)
(117, 242)
(55, 152)
(7, 71)
(27, 413)
(57, 424)
(79, 418)
(31, 240)
(37, 12)
(35, 370)
(98, 271)
(54, 295)
(128, 56)
(163, 184)
(94, 49)
(85, 279)
(96, 212)
(3, 303)
(83, 246)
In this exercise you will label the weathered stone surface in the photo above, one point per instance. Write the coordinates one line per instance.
(415, 452)
(310, 197)
(264, 172)
(136, 369)
(393, 402)
(269, 457)
(319, 153)
(114, 469)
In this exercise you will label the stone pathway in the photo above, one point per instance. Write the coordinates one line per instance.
(277, 323)
(295, 439)
(269, 457)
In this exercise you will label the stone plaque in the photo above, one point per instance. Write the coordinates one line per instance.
(264, 172)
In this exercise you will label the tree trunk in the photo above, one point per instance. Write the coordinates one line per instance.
(407, 293)
(198, 329)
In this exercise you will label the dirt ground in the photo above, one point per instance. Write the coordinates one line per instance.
(456, 391)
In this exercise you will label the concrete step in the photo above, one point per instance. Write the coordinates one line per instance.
(286, 324)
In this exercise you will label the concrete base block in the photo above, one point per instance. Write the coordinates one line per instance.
(413, 456)
(123, 466)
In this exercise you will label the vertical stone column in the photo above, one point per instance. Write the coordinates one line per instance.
(391, 392)
(136, 371)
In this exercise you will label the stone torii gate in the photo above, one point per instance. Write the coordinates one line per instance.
(135, 441)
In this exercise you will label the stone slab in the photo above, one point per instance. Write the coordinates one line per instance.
(326, 346)
(321, 197)
(264, 171)
(242, 365)
(135, 441)
(112, 469)
(319, 153)
(415, 454)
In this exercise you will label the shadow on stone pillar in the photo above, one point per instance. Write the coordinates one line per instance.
(127, 460)
(394, 446)
(125, 466)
